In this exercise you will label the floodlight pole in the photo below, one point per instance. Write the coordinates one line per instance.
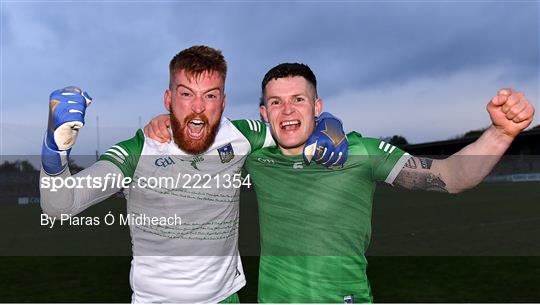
(97, 138)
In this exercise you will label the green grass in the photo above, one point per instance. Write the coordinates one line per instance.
(393, 279)
(481, 246)
(490, 220)
(65, 279)
(488, 279)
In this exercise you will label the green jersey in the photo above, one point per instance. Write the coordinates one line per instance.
(315, 223)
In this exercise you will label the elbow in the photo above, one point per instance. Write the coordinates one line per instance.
(454, 187)
(459, 183)
(460, 188)
(52, 212)
(56, 206)
(455, 191)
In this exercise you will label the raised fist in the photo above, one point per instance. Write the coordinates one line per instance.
(67, 107)
(510, 112)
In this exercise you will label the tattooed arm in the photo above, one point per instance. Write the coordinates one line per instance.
(510, 113)
(417, 174)
(459, 172)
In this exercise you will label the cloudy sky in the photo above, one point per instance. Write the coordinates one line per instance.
(424, 70)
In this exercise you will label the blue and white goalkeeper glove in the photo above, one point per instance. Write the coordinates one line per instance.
(67, 107)
(328, 144)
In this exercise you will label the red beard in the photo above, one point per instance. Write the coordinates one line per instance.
(184, 142)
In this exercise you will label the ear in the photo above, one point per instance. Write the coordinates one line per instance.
(224, 101)
(167, 100)
(318, 106)
(262, 111)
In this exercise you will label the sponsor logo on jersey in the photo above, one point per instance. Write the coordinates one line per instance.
(196, 160)
(192, 161)
(298, 165)
(164, 162)
(348, 299)
(266, 161)
(226, 153)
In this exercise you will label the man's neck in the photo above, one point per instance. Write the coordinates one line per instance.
(292, 151)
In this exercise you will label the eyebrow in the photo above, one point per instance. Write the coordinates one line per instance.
(190, 89)
(294, 95)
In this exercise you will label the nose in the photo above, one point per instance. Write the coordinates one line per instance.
(198, 105)
(288, 107)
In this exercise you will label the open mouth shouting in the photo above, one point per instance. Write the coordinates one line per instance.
(195, 134)
(290, 125)
(195, 128)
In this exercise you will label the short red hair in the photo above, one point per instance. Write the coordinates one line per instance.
(198, 60)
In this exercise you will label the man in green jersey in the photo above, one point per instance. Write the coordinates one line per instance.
(316, 224)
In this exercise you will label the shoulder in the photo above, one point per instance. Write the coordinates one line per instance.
(255, 132)
(265, 153)
(369, 146)
(247, 125)
(132, 146)
(357, 143)
(125, 155)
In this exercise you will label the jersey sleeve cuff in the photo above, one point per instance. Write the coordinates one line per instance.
(397, 168)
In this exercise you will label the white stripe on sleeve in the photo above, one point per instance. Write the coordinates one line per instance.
(397, 168)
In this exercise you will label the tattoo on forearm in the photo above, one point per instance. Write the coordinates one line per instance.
(425, 162)
(411, 163)
(435, 183)
(415, 180)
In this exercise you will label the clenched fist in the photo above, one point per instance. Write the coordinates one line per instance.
(67, 108)
(510, 112)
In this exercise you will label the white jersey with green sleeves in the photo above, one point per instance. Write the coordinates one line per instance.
(196, 261)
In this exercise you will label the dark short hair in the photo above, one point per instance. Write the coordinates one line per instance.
(289, 70)
(197, 60)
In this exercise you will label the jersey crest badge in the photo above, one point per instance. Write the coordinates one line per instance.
(226, 153)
